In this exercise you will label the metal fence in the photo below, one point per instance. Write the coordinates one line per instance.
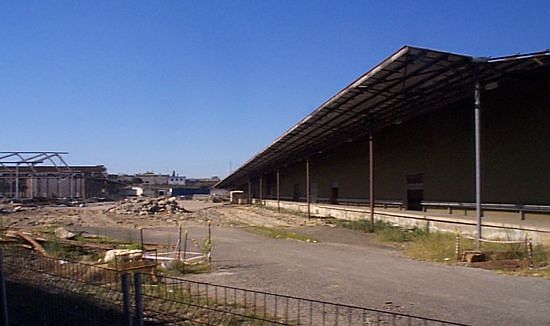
(235, 306)
(48, 291)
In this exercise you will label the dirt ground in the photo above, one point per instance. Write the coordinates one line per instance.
(345, 266)
(96, 215)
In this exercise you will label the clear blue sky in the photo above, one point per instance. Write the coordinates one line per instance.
(191, 86)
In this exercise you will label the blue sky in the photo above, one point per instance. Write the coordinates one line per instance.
(191, 86)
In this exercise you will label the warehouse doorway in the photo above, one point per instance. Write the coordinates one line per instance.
(334, 195)
(415, 191)
(296, 193)
(313, 192)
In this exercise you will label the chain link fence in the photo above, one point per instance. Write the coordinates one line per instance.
(48, 291)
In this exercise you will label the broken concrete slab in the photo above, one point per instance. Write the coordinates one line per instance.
(62, 233)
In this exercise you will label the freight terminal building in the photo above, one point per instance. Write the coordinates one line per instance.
(424, 131)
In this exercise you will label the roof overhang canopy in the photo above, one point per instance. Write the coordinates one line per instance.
(409, 83)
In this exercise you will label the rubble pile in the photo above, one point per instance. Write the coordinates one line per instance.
(148, 206)
(11, 208)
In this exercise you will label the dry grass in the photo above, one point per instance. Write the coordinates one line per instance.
(435, 246)
(440, 247)
(280, 233)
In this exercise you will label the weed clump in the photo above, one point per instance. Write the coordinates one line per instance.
(280, 233)
(434, 246)
(385, 231)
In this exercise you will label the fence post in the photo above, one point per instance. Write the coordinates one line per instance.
(210, 244)
(141, 238)
(184, 251)
(178, 249)
(125, 281)
(457, 246)
(529, 244)
(138, 299)
(4, 299)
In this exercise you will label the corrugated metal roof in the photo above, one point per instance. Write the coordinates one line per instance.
(410, 82)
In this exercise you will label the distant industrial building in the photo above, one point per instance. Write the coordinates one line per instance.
(175, 179)
(47, 182)
(153, 178)
(195, 186)
(154, 184)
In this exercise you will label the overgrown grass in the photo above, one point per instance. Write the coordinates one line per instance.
(385, 232)
(197, 268)
(130, 246)
(57, 249)
(502, 251)
(99, 240)
(76, 252)
(420, 244)
(541, 254)
(283, 210)
(435, 246)
(181, 269)
(280, 233)
(359, 225)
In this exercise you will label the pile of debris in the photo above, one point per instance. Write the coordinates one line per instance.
(11, 208)
(148, 206)
(18, 205)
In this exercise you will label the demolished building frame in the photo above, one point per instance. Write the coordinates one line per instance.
(44, 174)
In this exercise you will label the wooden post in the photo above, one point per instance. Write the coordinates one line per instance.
(184, 251)
(178, 255)
(141, 238)
(457, 246)
(209, 242)
(529, 244)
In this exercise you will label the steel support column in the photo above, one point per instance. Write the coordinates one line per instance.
(17, 181)
(278, 192)
(31, 182)
(249, 192)
(477, 132)
(308, 193)
(71, 192)
(371, 180)
(82, 186)
(261, 190)
(11, 185)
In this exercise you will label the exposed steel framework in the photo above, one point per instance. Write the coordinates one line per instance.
(17, 166)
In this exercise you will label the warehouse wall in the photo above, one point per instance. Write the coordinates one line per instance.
(517, 149)
(439, 145)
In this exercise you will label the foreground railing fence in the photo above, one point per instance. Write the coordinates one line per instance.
(47, 291)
